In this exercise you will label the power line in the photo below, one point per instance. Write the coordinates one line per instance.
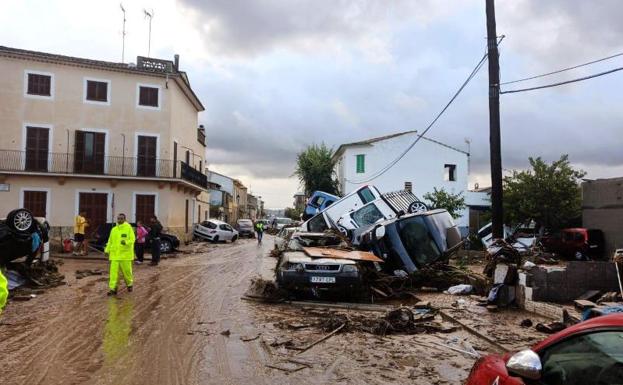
(562, 83)
(456, 94)
(563, 70)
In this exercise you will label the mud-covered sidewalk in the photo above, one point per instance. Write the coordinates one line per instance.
(185, 323)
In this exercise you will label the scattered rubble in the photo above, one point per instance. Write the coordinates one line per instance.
(88, 272)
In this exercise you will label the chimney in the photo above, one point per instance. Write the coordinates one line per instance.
(176, 61)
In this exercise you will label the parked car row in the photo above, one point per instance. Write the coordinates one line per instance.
(168, 242)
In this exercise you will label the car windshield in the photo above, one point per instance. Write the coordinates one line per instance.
(246, 222)
(367, 215)
(418, 241)
(366, 195)
(317, 224)
(284, 221)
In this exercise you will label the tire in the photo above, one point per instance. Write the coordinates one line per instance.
(233, 239)
(215, 240)
(165, 246)
(417, 207)
(21, 220)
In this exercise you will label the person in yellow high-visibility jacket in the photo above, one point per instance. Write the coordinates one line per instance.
(4, 291)
(120, 250)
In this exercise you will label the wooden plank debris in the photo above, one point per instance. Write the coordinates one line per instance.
(354, 255)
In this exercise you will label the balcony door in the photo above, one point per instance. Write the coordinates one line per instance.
(146, 155)
(90, 152)
(37, 148)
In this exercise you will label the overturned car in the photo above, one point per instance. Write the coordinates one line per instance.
(22, 235)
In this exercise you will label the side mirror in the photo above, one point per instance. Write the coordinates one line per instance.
(379, 232)
(526, 364)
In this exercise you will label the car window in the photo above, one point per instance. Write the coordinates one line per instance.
(224, 227)
(209, 225)
(367, 215)
(366, 195)
(317, 224)
(578, 237)
(594, 358)
(319, 201)
(418, 242)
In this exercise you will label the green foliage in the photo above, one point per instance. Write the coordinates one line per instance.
(315, 170)
(293, 214)
(549, 194)
(441, 199)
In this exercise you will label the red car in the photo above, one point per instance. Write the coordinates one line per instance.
(589, 353)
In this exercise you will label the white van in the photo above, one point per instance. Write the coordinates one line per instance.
(327, 218)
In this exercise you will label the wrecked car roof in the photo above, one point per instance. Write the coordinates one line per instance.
(301, 257)
(354, 255)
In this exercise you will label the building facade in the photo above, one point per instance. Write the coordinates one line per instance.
(602, 209)
(299, 201)
(427, 165)
(221, 199)
(101, 137)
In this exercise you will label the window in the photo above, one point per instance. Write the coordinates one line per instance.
(89, 152)
(594, 358)
(225, 227)
(144, 207)
(148, 96)
(450, 172)
(409, 186)
(36, 202)
(366, 195)
(361, 164)
(39, 84)
(97, 91)
(209, 225)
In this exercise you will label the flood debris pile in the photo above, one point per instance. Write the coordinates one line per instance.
(26, 280)
(403, 320)
(264, 290)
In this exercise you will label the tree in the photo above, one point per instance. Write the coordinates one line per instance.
(549, 194)
(315, 169)
(441, 199)
(293, 213)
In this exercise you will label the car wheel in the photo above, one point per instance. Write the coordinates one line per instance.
(165, 246)
(233, 239)
(21, 220)
(417, 207)
(215, 239)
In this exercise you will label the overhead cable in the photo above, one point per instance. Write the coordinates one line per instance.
(563, 70)
(562, 83)
(419, 136)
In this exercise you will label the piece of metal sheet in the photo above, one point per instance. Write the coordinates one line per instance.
(355, 255)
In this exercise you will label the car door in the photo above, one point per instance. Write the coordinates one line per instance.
(226, 232)
(595, 357)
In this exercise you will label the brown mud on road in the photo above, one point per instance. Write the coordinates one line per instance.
(185, 323)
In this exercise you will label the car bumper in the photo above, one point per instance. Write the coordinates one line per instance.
(245, 233)
(293, 280)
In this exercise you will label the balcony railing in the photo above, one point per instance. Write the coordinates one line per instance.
(58, 163)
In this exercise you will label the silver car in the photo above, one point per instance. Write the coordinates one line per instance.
(214, 230)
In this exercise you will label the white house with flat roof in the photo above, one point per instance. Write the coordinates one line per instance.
(427, 165)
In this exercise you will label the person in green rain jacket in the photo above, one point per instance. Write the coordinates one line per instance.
(4, 291)
(120, 250)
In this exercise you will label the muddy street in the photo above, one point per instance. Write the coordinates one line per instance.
(185, 323)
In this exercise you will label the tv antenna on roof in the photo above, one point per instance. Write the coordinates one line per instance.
(122, 34)
(150, 15)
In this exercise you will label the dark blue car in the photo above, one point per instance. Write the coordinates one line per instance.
(319, 201)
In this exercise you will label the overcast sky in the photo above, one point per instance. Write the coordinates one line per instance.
(277, 75)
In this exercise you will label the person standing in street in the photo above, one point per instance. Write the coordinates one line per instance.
(259, 229)
(4, 291)
(154, 234)
(139, 246)
(80, 225)
(120, 251)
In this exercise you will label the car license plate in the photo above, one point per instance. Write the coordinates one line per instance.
(323, 279)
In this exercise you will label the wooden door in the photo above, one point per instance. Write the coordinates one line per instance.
(89, 154)
(146, 156)
(96, 207)
(145, 207)
(36, 202)
(37, 148)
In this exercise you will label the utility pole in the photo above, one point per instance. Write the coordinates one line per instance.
(494, 124)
